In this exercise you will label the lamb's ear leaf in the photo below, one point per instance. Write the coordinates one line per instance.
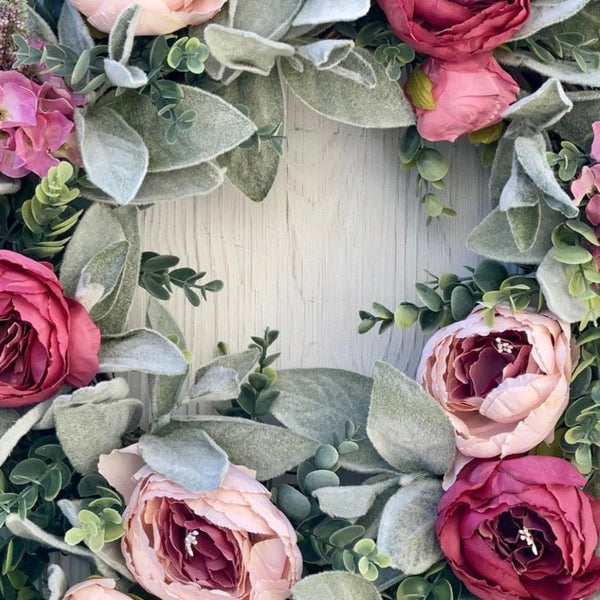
(268, 18)
(120, 39)
(72, 30)
(335, 584)
(317, 12)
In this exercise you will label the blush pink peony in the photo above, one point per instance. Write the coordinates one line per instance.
(503, 387)
(157, 17)
(455, 29)
(521, 529)
(231, 543)
(36, 124)
(46, 340)
(95, 589)
(468, 95)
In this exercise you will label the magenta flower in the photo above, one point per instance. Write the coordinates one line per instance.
(36, 124)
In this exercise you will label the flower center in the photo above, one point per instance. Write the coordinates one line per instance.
(503, 347)
(525, 536)
(191, 540)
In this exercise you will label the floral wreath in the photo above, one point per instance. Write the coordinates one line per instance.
(478, 480)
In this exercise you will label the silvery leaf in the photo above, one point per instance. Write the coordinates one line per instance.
(178, 454)
(315, 12)
(577, 125)
(407, 530)
(253, 170)
(357, 68)
(37, 28)
(244, 50)
(120, 39)
(252, 444)
(72, 30)
(335, 584)
(142, 350)
(9, 186)
(268, 18)
(402, 412)
(56, 582)
(554, 285)
(325, 54)
(124, 76)
(120, 171)
(548, 12)
(341, 99)
(524, 224)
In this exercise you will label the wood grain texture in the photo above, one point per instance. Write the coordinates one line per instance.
(340, 229)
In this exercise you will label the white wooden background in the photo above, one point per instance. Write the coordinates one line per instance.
(341, 228)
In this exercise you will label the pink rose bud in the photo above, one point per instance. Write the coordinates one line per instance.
(230, 543)
(455, 29)
(95, 589)
(468, 96)
(158, 17)
(503, 387)
(521, 528)
(46, 340)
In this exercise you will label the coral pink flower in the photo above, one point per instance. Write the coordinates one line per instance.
(228, 544)
(36, 124)
(95, 589)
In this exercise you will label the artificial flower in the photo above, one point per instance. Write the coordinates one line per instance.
(46, 339)
(95, 589)
(521, 528)
(504, 386)
(468, 95)
(36, 124)
(230, 543)
(455, 29)
(157, 17)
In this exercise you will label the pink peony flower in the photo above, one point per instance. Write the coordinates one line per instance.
(521, 528)
(95, 589)
(503, 388)
(231, 543)
(46, 340)
(36, 124)
(586, 184)
(455, 29)
(469, 95)
(157, 17)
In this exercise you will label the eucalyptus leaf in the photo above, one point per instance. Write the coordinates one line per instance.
(141, 350)
(316, 12)
(407, 529)
(218, 128)
(554, 285)
(72, 29)
(244, 50)
(325, 54)
(351, 501)
(124, 76)
(548, 12)
(402, 412)
(178, 453)
(341, 99)
(253, 170)
(334, 584)
(119, 171)
(253, 444)
(222, 378)
(120, 39)
(268, 18)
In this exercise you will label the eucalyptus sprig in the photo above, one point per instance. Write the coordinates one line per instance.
(567, 161)
(571, 45)
(157, 277)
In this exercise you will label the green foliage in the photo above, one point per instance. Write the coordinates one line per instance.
(157, 276)
(449, 298)
(438, 583)
(569, 45)
(100, 515)
(188, 54)
(432, 166)
(567, 161)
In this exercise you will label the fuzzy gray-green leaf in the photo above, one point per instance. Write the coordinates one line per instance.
(252, 444)
(524, 224)
(120, 39)
(142, 350)
(407, 528)
(325, 54)
(120, 171)
(178, 453)
(402, 412)
(244, 50)
(342, 99)
(124, 76)
(336, 585)
(253, 170)
(38, 28)
(268, 18)
(577, 125)
(72, 30)
(316, 12)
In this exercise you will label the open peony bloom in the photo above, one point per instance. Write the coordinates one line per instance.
(521, 529)
(36, 124)
(158, 17)
(46, 340)
(231, 543)
(469, 95)
(95, 589)
(503, 388)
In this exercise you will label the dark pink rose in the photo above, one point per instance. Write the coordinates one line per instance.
(469, 95)
(455, 29)
(46, 340)
(521, 529)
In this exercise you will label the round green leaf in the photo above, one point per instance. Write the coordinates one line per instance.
(432, 164)
(572, 255)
